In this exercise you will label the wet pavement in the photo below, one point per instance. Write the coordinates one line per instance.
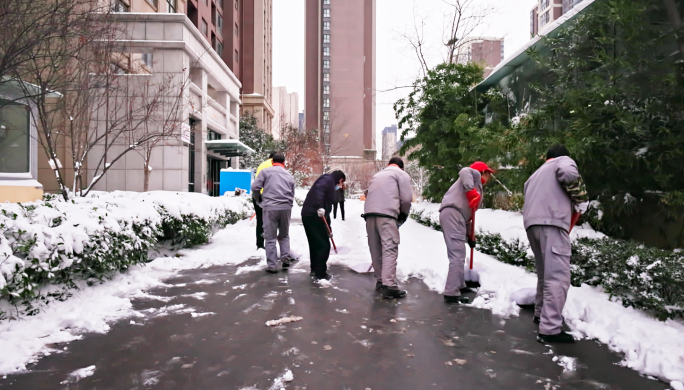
(349, 338)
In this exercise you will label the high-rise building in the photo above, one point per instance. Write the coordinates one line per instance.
(285, 108)
(340, 75)
(547, 11)
(301, 121)
(389, 142)
(486, 51)
(240, 31)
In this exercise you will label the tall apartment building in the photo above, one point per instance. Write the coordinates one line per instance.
(486, 51)
(241, 31)
(340, 75)
(547, 11)
(389, 142)
(285, 108)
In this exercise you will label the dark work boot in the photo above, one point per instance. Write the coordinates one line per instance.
(561, 337)
(456, 299)
(392, 292)
(286, 263)
(272, 270)
(378, 285)
(326, 277)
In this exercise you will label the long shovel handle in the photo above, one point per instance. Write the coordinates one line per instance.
(472, 237)
(328, 227)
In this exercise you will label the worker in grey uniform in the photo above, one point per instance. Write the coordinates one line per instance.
(553, 195)
(276, 202)
(456, 212)
(387, 206)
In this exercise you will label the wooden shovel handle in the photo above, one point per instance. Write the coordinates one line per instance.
(328, 227)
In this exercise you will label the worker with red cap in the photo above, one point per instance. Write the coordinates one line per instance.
(455, 216)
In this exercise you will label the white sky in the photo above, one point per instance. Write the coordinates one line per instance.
(396, 63)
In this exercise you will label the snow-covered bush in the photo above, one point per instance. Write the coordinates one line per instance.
(641, 277)
(513, 252)
(46, 247)
(645, 278)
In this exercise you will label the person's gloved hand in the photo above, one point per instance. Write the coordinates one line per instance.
(474, 198)
(402, 218)
(471, 242)
(330, 235)
(321, 213)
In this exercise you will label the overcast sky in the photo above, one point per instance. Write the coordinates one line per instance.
(396, 64)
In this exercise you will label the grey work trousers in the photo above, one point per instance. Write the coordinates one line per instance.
(383, 241)
(277, 227)
(552, 250)
(454, 229)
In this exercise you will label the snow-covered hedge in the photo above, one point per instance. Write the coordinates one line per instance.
(644, 278)
(47, 246)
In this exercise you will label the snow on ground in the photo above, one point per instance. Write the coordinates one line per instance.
(93, 309)
(650, 346)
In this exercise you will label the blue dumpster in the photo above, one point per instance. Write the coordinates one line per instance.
(235, 178)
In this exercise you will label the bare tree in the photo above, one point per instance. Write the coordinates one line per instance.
(90, 95)
(302, 156)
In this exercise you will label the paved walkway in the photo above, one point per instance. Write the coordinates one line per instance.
(349, 338)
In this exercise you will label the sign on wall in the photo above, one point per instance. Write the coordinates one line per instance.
(185, 133)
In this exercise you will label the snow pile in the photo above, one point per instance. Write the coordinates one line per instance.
(650, 346)
(79, 374)
(284, 320)
(94, 308)
(54, 242)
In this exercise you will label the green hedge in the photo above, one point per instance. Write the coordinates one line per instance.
(645, 278)
(103, 254)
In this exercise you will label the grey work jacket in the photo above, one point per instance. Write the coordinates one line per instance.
(389, 193)
(546, 200)
(468, 179)
(279, 188)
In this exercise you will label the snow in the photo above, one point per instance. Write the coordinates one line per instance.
(649, 346)
(79, 374)
(284, 320)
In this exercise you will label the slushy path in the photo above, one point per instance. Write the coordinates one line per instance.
(349, 338)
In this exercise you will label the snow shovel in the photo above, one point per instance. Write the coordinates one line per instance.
(472, 277)
(329, 232)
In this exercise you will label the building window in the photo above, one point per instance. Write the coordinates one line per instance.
(326, 64)
(543, 4)
(220, 3)
(326, 38)
(326, 115)
(326, 25)
(120, 6)
(326, 76)
(212, 135)
(326, 13)
(326, 128)
(326, 2)
(326, 103)
(237, 56)
(219, 21)
(206, 2)
(147, 59)
(15, 130)
(236, 4)
(237, 30)
(218, 47)
(153, 3)
(203, 27)
(326, 51)
(326, 90)
(173, 5)
(544, 19)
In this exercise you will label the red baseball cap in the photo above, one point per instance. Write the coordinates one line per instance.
(481, 167)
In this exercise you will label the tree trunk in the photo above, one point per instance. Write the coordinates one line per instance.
(146, 185)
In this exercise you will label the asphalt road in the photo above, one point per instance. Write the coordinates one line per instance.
(349, 338)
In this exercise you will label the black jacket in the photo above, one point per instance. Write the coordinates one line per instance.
(340, 195)
(320, 196)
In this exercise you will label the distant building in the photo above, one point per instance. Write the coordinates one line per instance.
(389, 142)
(547, 11)
(486, 51)
(340, 75)
(301, 121)
(285, 109)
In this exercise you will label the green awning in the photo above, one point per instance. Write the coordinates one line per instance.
(228, 147)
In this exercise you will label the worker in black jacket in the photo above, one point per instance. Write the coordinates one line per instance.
(317, 206)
